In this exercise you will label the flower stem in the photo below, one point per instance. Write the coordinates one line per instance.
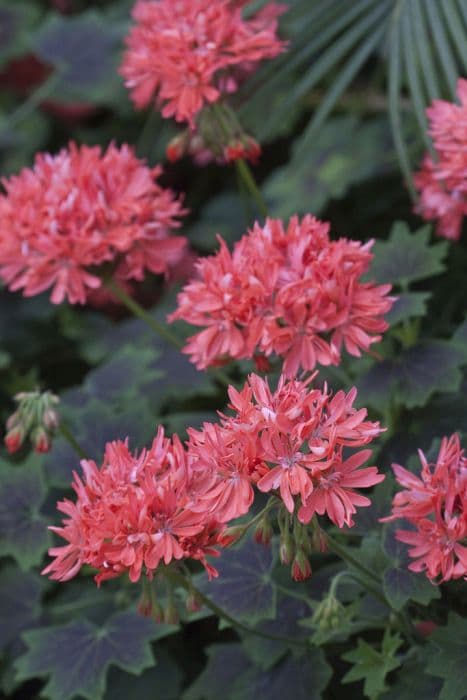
(70, 438)
(244, 172)
(375, 591)
(141, 313)
(159, 328)
(182, 581)
(34, 99)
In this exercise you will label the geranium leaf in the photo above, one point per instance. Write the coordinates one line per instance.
(77, 656)
(344, 155)
(244, 588)
(15, 22)
(267, 652)
(407, 256)
(447, 657)
(83, 50)
(372, 666)
(301, 677)
(416, 374)
(161, 682)
(412, 683)
(23, 530)
(226, 663)
(20, 594)
(408, 305)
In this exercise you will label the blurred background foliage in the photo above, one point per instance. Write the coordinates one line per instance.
(341, 120)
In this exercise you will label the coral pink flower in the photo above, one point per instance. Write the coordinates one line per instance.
(134, 513)
(76, 211)
(442, 181)
(184, 54)
(289, 292)
(299, 435)
(435, 504)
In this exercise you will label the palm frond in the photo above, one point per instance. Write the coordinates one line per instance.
(420, 44)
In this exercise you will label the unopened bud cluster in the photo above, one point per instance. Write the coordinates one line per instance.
(36, 418)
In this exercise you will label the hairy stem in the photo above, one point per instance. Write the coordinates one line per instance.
(222, 614)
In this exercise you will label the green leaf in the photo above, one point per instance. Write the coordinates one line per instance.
(407, 256)
(162, 682)
(15, 23)
(347, 152)
(447, 657)
(372, 666)
(20, 594)
(83, 50)
(408, 305)
(245, 588)
(23, 530)
(267, 652)
(301, 677)
(414, 376)
(229, 674)
(77, 656)
(226, 664)
(412, 682)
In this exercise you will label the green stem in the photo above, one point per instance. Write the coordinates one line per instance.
(141, 313)
(70, 438)
(375, 591)
(242, 167)
(181, 581)
(160, 329)
(34, 99)
(244, 171)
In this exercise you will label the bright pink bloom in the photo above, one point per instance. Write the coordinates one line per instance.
(184, 54)
(78, 210)
(294, 439)
(134, 513)
(442, 182)
(290, 292)
(435, 504)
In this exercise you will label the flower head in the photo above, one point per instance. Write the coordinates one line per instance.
(185, 54)
(442, 181)
(290, 442)
(284, 291)
(435, 505)
(36, 417)
(135, 513)
(74, 212)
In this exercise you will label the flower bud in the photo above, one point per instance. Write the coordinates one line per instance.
(40, 440)
(14, 439)
(193, 602)
(286, 550)
(263, 532)
(301, 567)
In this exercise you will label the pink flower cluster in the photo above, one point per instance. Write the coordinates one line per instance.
(290, 441)
(435, 504)
(288, 291)
(187, 53)
(442, 181)
(135, 512)
(73, 212)
(171, 503)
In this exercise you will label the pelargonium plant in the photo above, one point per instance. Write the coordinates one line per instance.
(223, 424)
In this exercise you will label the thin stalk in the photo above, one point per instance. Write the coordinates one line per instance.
(34, 99)
(159, 328)
(244, 171)
(182, 581)
(375, 591)
(70, 438)
(242, 167)
(141, 313)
